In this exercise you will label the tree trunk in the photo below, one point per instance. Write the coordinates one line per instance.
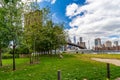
(0, 57)
(37, 57)
(50, 51)
(55, 51)
(44, 52)
(14, 67)
(30, 56)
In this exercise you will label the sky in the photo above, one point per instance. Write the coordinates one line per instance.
(89, 19)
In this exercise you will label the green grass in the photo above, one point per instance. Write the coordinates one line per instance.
(73, 67)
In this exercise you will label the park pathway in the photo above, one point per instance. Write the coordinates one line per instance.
(111, 61)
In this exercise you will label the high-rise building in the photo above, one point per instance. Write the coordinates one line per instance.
(78, 43)
(115, 43)
(108, 44)
(74, 38)
(81, 43)
(97, 42)
(80, 39)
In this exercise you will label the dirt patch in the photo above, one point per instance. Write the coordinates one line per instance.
(111, 61)
(117, 79)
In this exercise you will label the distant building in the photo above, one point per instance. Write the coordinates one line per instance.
(116, 43)
(80, 39)
(74, 39)
(78, 43)
(82, 44)
(69, 46)
(108, 44)
(97, 42)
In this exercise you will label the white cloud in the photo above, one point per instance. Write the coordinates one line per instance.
(55, 18)
(53, 1)
(71, 9)
(101, 18)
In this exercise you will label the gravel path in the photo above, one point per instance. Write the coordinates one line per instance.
(112, 61)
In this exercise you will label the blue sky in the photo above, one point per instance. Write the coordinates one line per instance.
(58, 9)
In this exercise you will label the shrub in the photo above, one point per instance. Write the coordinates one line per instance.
(8, 55)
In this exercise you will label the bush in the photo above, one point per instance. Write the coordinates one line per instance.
(23, 50)
(20, 50)
(8, 56)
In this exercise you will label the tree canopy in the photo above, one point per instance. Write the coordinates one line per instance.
(41, 33)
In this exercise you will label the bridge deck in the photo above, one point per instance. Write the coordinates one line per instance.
(76, 45)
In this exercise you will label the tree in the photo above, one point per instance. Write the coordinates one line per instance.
(4, 33)
(41, 34)
(13, 17)
(60, 36)
(57, 35)
(33, 23)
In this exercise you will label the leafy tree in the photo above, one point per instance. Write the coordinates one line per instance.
(43, 34)
(4, 33)
(57, 35)
(13, 17)
(33, 23)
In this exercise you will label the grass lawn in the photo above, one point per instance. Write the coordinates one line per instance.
(73, 67)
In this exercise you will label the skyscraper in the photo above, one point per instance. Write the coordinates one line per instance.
(97, 42)
(74, 38)
(108, 44)
(115, 43)
(80, 39)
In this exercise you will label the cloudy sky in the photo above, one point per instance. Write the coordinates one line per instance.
(89, 19)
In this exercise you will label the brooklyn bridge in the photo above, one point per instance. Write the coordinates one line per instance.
(72, 44)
